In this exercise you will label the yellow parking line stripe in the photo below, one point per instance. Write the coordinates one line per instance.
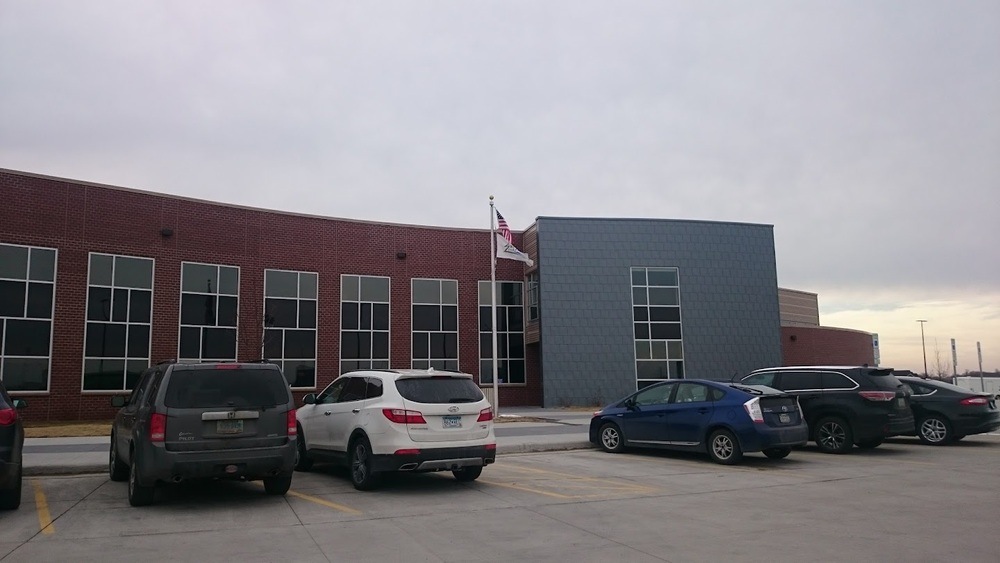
(42, 505)
(529, 490)
(325, 503)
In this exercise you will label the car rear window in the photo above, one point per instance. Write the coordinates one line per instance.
(205, 388)
(439, 389)
(884, 379)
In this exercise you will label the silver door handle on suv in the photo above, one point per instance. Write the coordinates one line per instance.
(355, 411)
(327, 413)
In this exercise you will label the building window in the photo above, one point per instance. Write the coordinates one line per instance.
(290, 305)
(27, 301)
(510, 333)
(435, 324)
(532, 297)
(656, 316)
(364, 323)
(209, 312)
(119, 317)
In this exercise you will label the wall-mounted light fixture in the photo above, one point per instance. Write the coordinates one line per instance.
(401, 255)
(166, 232)
(793, 338)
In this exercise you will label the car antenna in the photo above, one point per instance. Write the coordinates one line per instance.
(733, 378)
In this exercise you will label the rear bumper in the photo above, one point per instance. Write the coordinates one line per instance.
(436, 459)
(158, 464)
(977, 424)
(767, 437)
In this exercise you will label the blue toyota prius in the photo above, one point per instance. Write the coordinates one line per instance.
(725, 420)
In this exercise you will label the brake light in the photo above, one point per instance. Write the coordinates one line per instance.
(292, 428)
(227, 366)
(8, 417)
(491, 447)
(969, 401)
(406, 452)
(157, 427)
(753, 409)
(485, 415)
(402, 416)
(878, 396)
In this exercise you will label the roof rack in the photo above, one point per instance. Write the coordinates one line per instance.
(170, 361)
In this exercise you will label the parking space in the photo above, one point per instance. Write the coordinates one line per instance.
(901, 501)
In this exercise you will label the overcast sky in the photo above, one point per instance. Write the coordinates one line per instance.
(866, 132)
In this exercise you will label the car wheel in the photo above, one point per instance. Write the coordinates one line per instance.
(777, 453)
(302, 460)
(10, 498)
(363, 476)
(116, 467)
(278, 485)
(138, 495)
(870, 444)
(467, 474)
(724, 448)
(833, 435)
(612, 439)
(934, 430)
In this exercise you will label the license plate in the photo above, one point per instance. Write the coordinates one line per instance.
(229, 426)
(452, 422)
(784, 418)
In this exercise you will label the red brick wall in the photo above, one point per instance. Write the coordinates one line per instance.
(78, 218)
(807, 346)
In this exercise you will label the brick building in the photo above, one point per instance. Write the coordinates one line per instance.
(98, 281)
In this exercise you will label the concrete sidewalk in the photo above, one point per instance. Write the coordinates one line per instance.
(541, 430)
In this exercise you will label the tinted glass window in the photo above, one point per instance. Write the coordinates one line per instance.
(374, 388)
(205, 388)
(833, 380)
(332, 392)
(691, 393)
(883, 379)
(766, 379)
(801, 380)
(355, 390)
(439, 390)
(658, 395)
(716, 394)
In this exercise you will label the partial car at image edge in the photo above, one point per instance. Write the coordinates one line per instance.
(11, 450)
(946, 413)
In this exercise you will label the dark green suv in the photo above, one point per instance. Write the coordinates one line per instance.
(204, 421)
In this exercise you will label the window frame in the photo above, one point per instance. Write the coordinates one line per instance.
(485, 302)
(666, 353)
(457, 332)
(51, 320)
(298, 299)
(370, 331)
(201, 341)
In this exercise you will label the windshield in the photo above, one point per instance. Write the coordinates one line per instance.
(207, 388)
(439, 390)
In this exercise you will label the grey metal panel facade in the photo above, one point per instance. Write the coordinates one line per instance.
(728, 295)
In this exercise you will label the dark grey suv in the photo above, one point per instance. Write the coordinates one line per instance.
(204, 421)
(844, 405)
(11, 445)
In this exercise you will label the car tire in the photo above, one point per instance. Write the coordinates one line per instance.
(833, 435)
(777, 453)
(278, 485)
(302, 460)
(467, 474)
(724, 448)
(611, 438)
(935, 430)
(870, 444)
(363, 476)
(10, 498)
(138, 495)
(117, 469)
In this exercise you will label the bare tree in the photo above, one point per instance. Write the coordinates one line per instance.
(940, 369)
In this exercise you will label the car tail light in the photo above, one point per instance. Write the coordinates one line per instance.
(491, 447)
(292, 428)
(157, 427)
(878, 396)
(968, 401)
(753, 409)
(8, 417)
(227, 366)
(406, 452)
(401, 416)
(485, 415)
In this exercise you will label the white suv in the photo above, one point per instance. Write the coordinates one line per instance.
(398, 420)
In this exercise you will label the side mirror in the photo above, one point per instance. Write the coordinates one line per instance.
(20, 404)
(309, 399)
(630, 404)
(118, 401)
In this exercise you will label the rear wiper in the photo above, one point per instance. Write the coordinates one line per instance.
(750, 390)
(461, 400)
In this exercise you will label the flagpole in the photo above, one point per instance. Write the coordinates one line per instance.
(493, 306)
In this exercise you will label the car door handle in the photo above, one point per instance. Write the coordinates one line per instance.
(702, 411)
(355, 411)
(327, 413)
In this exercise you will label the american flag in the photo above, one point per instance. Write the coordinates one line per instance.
(503, 229)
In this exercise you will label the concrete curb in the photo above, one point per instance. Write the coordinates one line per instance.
(92, 468)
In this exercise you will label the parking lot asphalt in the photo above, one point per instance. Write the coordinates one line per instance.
(518, 430)
(900, 502)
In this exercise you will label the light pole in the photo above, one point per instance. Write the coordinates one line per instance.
(923, 345)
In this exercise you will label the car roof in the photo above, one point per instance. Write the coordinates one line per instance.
(411, 373)
(822, 367)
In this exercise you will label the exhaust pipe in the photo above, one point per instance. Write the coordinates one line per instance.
(176, 479)
(408, 467)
